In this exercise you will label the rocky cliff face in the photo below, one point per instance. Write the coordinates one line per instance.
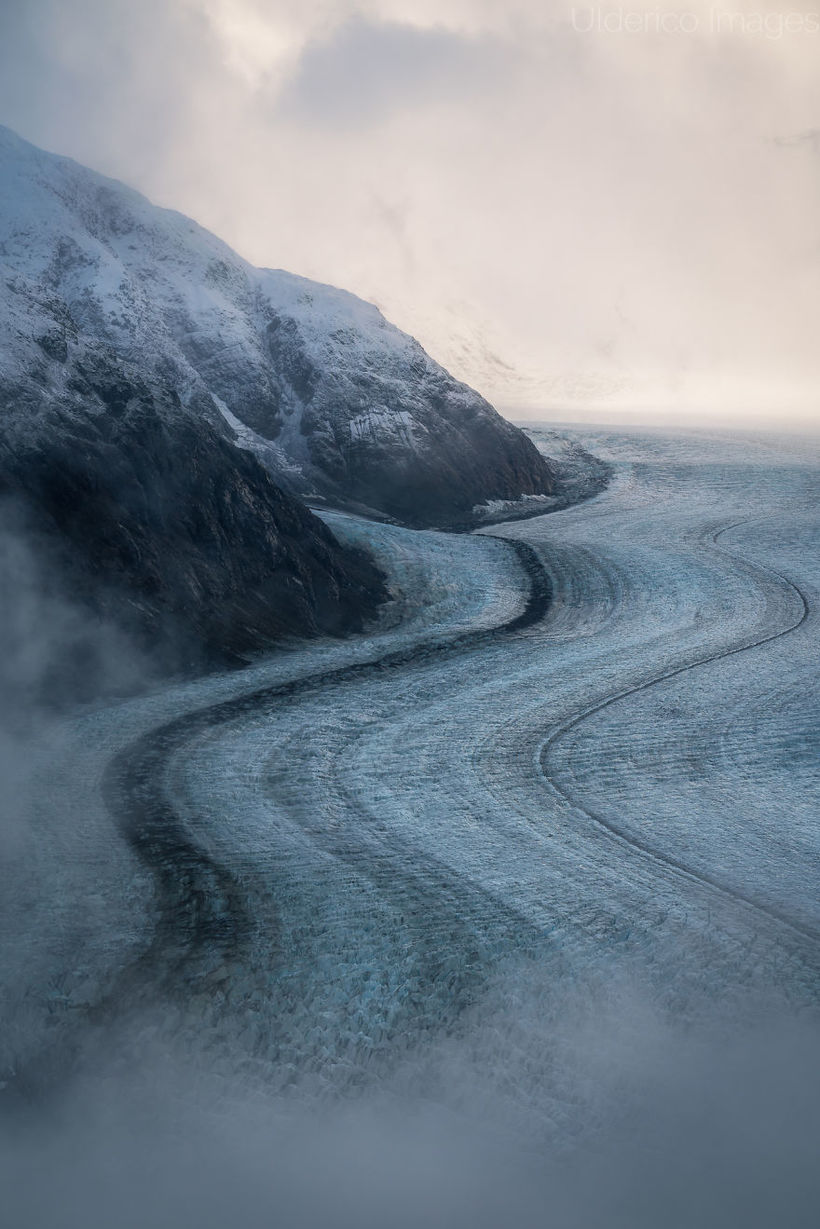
(152, 520)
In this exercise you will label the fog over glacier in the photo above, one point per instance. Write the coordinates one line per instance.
(505, 912)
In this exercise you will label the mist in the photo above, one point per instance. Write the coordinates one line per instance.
(589, 1107)
(60, 660)
(570, 219)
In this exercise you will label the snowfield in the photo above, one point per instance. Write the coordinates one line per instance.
(322, 863)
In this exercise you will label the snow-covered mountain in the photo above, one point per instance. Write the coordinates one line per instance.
(163, 406)
(122, 491)
(336, 402)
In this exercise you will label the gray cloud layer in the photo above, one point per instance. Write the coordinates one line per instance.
(366, 71)
(565, 218)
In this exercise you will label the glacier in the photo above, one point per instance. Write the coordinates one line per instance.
(523, 873)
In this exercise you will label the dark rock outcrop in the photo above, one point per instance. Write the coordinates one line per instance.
(154, 522)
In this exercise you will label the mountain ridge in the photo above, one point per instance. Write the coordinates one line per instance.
(344, 406)
(166, 410)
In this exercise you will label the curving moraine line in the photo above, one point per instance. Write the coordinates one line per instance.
(203, 919)
(680, 869)
(201, 902)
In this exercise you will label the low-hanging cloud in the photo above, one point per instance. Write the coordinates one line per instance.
(365, 71)
(587, 217)
(586, 1110)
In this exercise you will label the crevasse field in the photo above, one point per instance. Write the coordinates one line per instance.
(506, 913)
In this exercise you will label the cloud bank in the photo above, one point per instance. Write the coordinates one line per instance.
(571, 212)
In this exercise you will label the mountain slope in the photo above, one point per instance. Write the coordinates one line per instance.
(157, 525)
(120, 501)
(337, 403)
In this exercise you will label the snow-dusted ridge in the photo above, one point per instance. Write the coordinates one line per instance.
(356, 409)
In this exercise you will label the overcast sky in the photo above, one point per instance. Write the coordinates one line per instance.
(569, 217)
